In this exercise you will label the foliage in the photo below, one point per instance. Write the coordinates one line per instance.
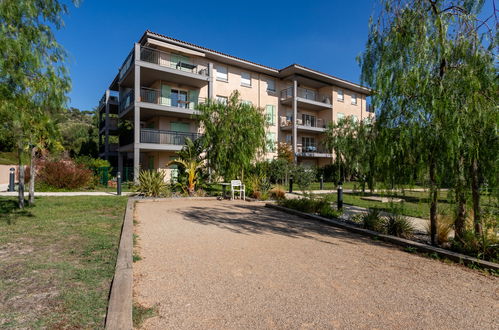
(79, 132)
(486, 248)
(152, 184)
(64, 174)
(398, 225)
(92, 163)
(373, 220)
(190, 159)
(277, 170)
(285, 152)
(277, 193)
(432, 67)
(311, 205)
(303, 176)
(234, 135)
(445, 224)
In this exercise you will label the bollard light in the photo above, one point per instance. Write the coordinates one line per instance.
(340, 195)
(322, 182)
(12, 177)
(290, 184)
(118, 183)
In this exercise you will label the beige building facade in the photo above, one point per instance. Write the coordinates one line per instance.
(159, 85)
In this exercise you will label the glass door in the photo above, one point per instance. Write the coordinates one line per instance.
(179, 98)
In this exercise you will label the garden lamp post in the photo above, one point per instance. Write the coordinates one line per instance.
(118, 183)
(340, 195)
(322, 182)
(12, 176)
(290, 184)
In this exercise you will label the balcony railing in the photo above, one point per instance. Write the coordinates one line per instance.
(113, 123)
(173, 61)
(126, 101)
(127, 64)
(314, 123)
(308, 94)
(148, 135)
(150, 95)
(312, 148)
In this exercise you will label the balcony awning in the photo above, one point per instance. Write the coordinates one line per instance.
(174, 47)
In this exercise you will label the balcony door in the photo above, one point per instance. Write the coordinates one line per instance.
(309, 120)
(179, 98)
(308, 144)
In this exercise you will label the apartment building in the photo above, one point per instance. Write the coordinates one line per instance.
(156, 91)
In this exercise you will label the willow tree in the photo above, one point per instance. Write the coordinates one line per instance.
(418, 60)
(234, 135)
(33, 78)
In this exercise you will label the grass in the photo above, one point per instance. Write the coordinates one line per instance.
(125, 187)
(8, 158)
(58, 261)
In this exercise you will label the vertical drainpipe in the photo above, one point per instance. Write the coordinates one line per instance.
(136, 121)
(295, 115)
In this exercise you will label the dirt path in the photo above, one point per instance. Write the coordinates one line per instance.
(226, 265)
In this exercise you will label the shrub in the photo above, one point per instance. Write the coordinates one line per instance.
(373, 220)
(311, 205)
(481, 247)
(277, 193)
(303, 176)
(399, 225)
(152, 184)
(445, 225)
(64, 174)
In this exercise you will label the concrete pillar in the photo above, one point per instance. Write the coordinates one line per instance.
(210, 82)
(295, 117)
(136, 117)
(106, 127)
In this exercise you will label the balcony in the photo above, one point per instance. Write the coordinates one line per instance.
(113, 124)
(312, 151)
(306, 98)
(171, 140)
(112, 148)
(127, 64)
(173, 61)
(126, 101)
(179, 103)
(313, 124)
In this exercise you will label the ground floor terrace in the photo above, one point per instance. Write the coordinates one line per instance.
(222, 264)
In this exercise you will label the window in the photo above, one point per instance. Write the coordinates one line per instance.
(340, 95)
(246, 102)
(289, 139)
(270, 113)
(179, 98)
(222, 73)
(308, 120)
(308, 144)
(354, 99)
(222, 99)
(270, 85)
(245, 79)
(340, 116)
(271, 141)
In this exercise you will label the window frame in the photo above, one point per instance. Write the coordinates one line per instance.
(222, 99)
(249, 79)
(352, 98)
(226, 79)
(274, 82)
(342, 98)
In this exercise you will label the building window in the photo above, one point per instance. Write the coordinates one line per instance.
(222, 73)
(222, 99)
(340, 95)
(355, 119)
(289, 139)
(308, 144)
(246, 102)
(271, 141)
(271, 85)
(340, 116)
(245, 79)
(308, 120)
(270, 113)
(354, 99)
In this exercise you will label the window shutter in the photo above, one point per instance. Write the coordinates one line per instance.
(166, 95)
(193, 97)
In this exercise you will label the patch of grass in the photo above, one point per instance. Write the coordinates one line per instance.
(141, 313)
(58, 260)
(8, 158)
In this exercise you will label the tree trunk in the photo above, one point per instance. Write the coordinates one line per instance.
(433, 203)
(32, 173)
(21, 186)
(460, 201)
(475, 192)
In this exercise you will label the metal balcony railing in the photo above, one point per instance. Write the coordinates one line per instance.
(148, 135)
(312, 148)
(126, 101)
(314, 122)
(306, 93)
(173, 61)
(150, 95)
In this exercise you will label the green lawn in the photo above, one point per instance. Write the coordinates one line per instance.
(8, 158)
(57, 261)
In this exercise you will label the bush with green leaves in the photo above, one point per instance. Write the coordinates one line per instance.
(398, 225)
(152, 184)
(373, 220)
(303, 176)
(311, 205)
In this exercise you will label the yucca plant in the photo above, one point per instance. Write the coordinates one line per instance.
(152, 183)
(373, 220)
(399, 225)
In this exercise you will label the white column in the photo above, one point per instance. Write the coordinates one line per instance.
(136, 117)
(295, 117)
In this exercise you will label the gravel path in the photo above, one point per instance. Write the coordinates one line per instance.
(225, 265)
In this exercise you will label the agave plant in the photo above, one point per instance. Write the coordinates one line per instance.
(152, 183)
(190, 159)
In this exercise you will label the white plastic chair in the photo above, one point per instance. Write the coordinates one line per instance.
(237, 186)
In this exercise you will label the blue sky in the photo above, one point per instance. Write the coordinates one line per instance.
(324, 35)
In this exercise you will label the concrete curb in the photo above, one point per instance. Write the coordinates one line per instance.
(119, 310)
(420, 247)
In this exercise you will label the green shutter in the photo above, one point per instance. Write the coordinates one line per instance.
(166, 95)
(193, 97)
(271, 141)
(180, 127)
(270, 111)
(174, 59)
(151, 162)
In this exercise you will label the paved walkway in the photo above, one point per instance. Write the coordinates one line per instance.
(72, 193)
(210, 264)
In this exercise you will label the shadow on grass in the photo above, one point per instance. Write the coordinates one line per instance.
(257, 219)
(9, 211)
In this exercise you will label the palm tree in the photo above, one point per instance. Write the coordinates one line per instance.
(190, 158)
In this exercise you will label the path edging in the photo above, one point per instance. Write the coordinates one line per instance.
(119, 310)
(457, 257)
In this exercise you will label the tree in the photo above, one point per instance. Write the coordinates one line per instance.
(434, 81)
(190, 158)
(79, 132)
(33, 78)
(234, 135)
